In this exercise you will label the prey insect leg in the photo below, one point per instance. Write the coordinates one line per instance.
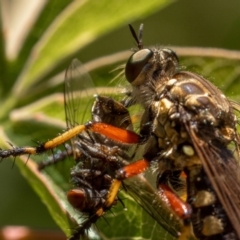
(102, 128)
(51, 144)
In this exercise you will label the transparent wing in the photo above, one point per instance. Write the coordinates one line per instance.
(222, 170)
(78, 96)
(78, 91)
(146, 196)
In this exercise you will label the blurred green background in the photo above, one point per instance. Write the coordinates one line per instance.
(214, 23)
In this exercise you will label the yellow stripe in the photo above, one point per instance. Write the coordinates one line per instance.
(99, 212)
(30, 150)
(113, 192)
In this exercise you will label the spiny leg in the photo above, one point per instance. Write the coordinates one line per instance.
(109, 131)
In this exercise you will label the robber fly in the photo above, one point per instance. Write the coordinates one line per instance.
(188, 126)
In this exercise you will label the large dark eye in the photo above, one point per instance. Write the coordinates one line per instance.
(136, 63)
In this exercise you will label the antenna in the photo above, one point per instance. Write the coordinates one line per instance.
(138, 38)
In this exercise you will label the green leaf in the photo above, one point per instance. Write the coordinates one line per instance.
(79, 24)
(49, 192)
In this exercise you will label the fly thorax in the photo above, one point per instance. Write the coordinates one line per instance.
(164, 126)
(202, 107)
(173, 140)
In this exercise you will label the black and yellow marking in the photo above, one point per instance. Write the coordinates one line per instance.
(45, 146)
(116, 184)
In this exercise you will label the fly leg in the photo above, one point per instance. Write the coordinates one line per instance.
(178, 206)
(168, 183)
(41, 148)
(165, 193)
(106, 114)
(182, 209)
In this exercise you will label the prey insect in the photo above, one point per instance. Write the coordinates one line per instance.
(97, 156)
(96, 162)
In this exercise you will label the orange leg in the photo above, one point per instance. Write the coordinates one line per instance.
(182, 209)
(111, 132)
(114, 133)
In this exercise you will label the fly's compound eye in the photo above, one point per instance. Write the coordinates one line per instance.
(136, 63)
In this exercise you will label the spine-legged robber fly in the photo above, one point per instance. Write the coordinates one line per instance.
(188, 128)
